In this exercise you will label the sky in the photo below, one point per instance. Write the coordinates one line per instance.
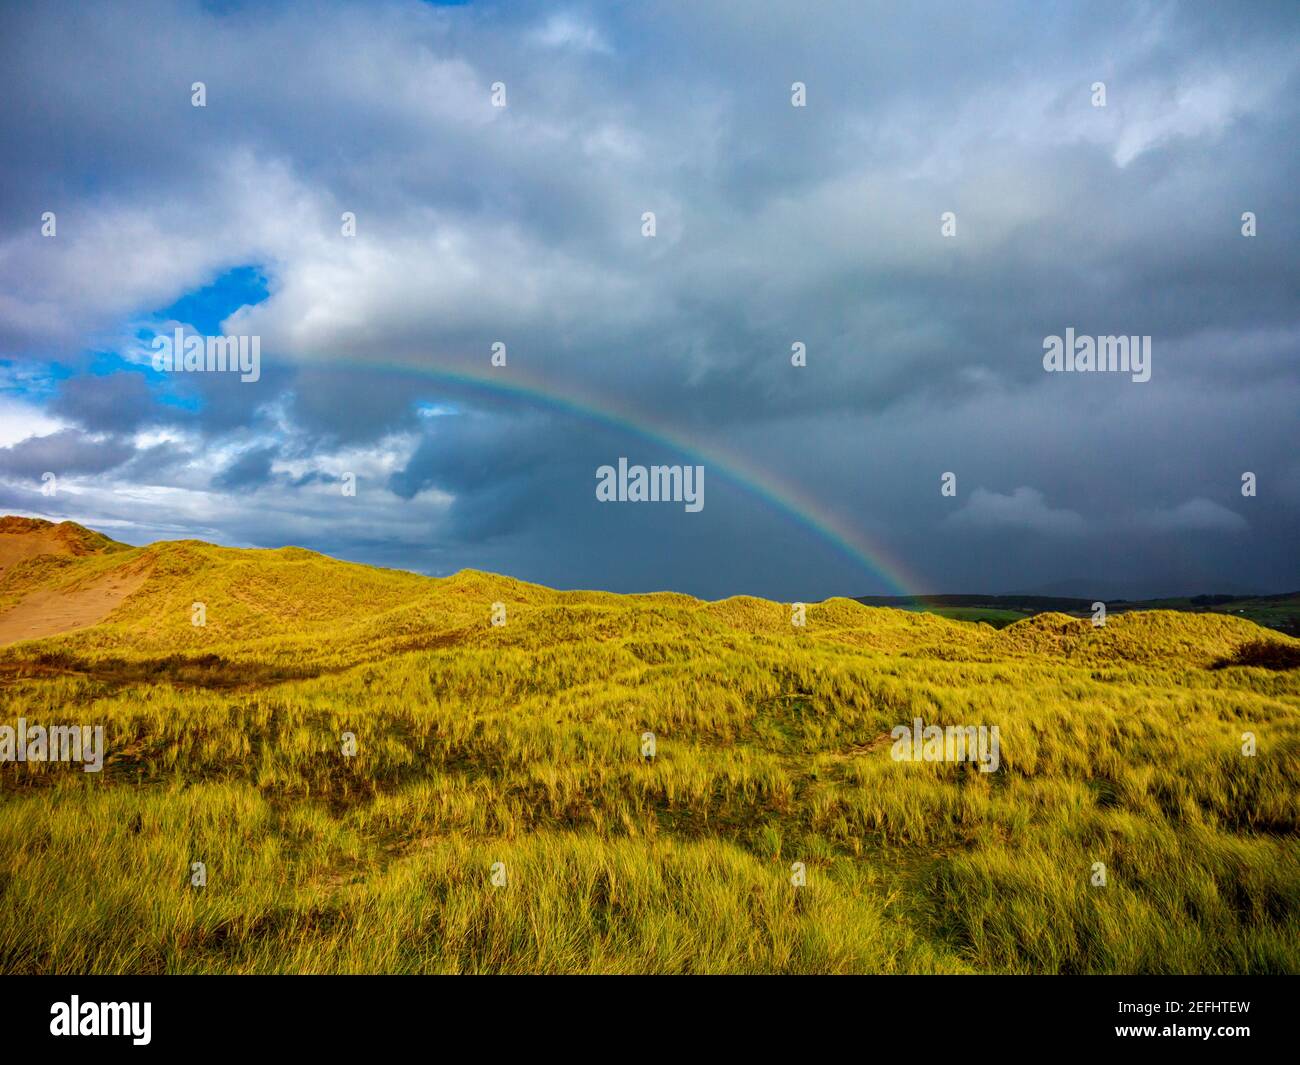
(918, 195)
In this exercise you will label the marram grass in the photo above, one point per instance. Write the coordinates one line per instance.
(512, 754)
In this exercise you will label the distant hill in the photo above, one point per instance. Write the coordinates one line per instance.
(1076, 588)
(1280, 612)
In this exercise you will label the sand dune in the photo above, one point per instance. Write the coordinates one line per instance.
(49, 612)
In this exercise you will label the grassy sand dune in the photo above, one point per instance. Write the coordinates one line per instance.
(517, 748)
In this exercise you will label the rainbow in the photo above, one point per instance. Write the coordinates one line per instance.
(781, 496)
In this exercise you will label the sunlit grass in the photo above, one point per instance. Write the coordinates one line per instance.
(520, 745)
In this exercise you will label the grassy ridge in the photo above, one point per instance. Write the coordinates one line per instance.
(1279, 612)
(519, 744)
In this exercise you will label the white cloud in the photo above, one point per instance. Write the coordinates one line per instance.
(1195, 515)
(566, 30)
(19, 420)
(1024, 508)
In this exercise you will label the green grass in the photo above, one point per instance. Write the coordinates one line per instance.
(987, 615)
(520, 745)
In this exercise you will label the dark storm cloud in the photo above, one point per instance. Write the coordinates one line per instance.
(111, 402)
(775, 224)
(349, 406)
(66, 452)
(251, 469)
(505, 472)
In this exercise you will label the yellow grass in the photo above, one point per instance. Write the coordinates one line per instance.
(520, 745)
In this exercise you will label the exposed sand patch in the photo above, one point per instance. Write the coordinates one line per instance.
(18, 547)
(47, 612)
